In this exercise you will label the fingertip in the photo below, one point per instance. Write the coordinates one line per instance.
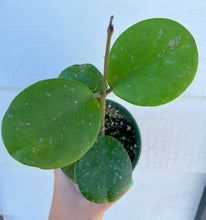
(131, 184)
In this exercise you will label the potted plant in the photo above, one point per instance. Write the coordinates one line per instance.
(67, 123)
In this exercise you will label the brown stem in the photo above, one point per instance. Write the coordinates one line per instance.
(110, 30)
(99, 95)
(109, 90)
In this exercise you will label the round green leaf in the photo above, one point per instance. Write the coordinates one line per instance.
(104, 173)
(51, 124)
(87, 74)
(152, 62)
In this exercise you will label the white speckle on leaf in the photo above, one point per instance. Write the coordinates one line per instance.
(23, 124)
(48, 94)
(169, 62)
(64, 127)
(90, 124)
(26, 103)
(113, 56)
(50, 140)
(75, 75)
(180, 76)
(179, 37)
(17, 128)
(71, 89)
(61, 137)
(10, 116)
(138, 100)
(132, 59)
(115, 78)
(65, 86)
(75, 102)
(160, 34)
(54, 119)
(177, 40)
(122, 49)
(90, 115)
(33, 150)
(41, 140)
(172, 43)
(82, 121)
(187, 45)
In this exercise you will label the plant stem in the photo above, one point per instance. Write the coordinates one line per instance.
(106, 60)
(98, 95)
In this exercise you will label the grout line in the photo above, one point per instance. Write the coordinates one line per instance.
(11, 88)
(192, 96)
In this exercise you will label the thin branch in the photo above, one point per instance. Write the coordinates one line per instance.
(97, 95)
(109, 90)
(110, 30)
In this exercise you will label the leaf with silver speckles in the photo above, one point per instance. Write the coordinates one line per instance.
(49, 124)
(104, 173)
(87, 74)
(152, 62)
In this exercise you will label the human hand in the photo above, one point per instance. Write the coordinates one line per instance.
(69, 204)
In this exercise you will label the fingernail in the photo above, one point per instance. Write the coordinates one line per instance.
(131, 184)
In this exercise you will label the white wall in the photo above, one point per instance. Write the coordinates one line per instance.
(38, 39)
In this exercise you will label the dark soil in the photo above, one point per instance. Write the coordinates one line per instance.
(120, 128)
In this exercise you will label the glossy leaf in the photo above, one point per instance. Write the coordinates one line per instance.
(51, 124)
(87, 74)
(152, 62)
(104, 173)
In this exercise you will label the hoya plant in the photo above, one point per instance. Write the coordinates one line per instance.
(68, 123)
